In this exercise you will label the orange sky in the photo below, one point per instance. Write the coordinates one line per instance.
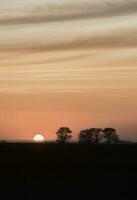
(67, 63)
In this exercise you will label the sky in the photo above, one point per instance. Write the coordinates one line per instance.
(67, 63)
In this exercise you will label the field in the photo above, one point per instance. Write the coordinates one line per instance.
(36, 171)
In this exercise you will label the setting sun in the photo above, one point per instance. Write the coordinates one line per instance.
(38, 138)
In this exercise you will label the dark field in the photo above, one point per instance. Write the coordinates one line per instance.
(41, 171)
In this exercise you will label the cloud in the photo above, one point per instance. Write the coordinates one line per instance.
(123, 39)
(68, 11)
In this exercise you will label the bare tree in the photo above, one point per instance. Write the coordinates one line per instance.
(110, 135)
(64, 135)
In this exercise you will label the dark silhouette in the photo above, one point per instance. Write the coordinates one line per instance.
(84, 136)
(40, 171)
(110, 135)
(64, 135)
(90, 135)
(98, 135)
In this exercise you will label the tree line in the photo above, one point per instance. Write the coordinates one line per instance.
(89, 136)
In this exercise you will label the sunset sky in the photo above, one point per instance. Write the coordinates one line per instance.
(67, 63)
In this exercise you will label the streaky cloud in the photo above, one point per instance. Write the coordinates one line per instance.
(74, 11)
(125, 40)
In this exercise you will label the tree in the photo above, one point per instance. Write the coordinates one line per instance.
(110, 135)
(84, 136)
(63, 135)
(90, 135)
(97, 134)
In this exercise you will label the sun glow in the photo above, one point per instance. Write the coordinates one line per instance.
(38, 138)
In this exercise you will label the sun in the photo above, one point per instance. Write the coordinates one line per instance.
(38, 138)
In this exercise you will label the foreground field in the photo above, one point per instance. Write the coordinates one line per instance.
(29, 171)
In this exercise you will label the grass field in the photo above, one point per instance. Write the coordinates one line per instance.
(34, 171)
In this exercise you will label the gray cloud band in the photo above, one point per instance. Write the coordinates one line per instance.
(88, 10)
(127, 39)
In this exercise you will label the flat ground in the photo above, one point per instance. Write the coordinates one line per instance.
(34, 171)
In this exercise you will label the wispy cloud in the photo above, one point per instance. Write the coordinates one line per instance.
(68, 11)
(117, 39)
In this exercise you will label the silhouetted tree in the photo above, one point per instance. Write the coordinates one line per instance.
(97, 135)
(83, 136)
(90, 135)
(110, 135)
(63, 135)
